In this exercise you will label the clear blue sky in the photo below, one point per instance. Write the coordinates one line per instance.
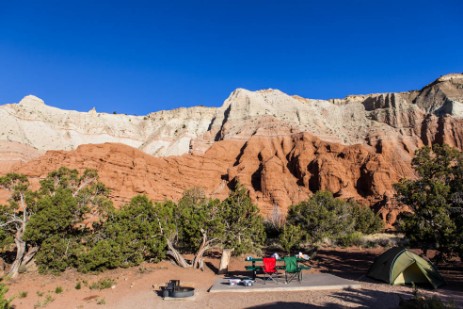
(136, 57)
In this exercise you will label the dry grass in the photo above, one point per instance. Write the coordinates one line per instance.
(382, 240)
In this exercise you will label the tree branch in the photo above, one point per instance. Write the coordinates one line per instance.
(12, 221)
(83, 184)
(176, 255)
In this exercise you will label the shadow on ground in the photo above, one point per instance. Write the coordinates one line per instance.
(347, 265)
(364, 298)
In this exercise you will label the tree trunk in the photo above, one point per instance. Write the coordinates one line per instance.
(224, 261)
(20, 251)
(176, 255)
(199, 255)
(29, 255)
(18, 240)
(205, 245)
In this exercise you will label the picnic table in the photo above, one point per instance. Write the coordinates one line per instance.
(258, 268)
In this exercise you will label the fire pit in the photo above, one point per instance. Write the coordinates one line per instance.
(173, 289)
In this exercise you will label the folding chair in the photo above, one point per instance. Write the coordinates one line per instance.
(269, 269)
(292, 269)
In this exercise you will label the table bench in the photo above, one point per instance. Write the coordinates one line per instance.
(258, 268)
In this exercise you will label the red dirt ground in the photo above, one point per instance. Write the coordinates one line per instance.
(136, 287)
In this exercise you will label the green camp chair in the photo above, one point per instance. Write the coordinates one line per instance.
(292, 269)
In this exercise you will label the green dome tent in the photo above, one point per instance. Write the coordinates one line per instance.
(399, 266)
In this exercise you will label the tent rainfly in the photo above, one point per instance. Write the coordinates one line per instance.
(399, 266)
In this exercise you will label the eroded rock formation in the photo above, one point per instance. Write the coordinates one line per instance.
(283, 148)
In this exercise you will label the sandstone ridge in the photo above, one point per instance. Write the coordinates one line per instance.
(283, 148)
(354, 120)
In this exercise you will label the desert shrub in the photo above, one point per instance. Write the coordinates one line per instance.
(59, 290)
(54, 216)
(56, 254)
(244, 227)
(323, 217)
(78, 286)
(4, 303)
(290, 237)
(105, 254)
(366, 221)
(383, 240)
(47, 300)
(102, 284)
(22, 294)
(130, 236)
(352, 239)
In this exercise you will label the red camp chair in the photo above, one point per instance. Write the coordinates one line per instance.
(269, 269)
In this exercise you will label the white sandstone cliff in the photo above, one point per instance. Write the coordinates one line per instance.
(361, 119)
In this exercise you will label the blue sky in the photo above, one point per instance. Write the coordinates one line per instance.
(137, 57)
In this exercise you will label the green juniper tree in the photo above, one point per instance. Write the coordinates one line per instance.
(15, 216)
(202, 227)
(128, 237)
(245, 231)
(326, 217)
(436, 200)
(50, 220)
(194, 225)
(290, 237)
(198, 224)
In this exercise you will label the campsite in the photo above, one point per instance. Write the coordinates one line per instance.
(399, 266)
(231, 154)
(138, 286)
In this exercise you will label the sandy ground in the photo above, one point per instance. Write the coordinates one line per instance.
(137, 287)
